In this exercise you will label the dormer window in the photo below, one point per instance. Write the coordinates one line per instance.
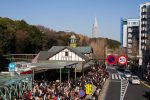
(66, 54)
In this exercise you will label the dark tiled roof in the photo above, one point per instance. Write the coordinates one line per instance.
(43, 55)
(56, 48)
(84, 50)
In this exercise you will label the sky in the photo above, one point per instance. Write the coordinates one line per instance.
(73, 15)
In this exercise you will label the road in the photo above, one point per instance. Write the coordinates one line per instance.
(136, 92)
(119, 88)
(113, 92)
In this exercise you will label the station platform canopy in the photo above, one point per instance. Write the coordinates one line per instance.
(52, 65)
(58, 65)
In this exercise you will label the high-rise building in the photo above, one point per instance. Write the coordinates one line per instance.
(144, 40)
(123, 33)
(130, 36)
(95, 29)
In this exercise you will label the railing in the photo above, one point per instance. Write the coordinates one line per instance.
(20, 57)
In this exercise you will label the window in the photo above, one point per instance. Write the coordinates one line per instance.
(66, 54)
(134, 23)
(129, 29)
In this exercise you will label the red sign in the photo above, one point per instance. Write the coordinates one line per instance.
(111, 59)
(122, 60)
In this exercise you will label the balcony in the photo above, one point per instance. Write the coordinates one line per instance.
(144, 22)
(130, 47)
(143, 46)
(144, 16)
(144, 10)
(143, 35)
(130, 36)
(129, 40)
(143, 41)
(129, 30)
(129, 51)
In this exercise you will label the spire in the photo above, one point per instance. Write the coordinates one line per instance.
(95, 28)
(95, 22)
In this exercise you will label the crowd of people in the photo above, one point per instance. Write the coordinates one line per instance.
(69, 89)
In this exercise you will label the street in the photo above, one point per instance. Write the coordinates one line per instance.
(120, 89)
(136, 92)
(113, 92)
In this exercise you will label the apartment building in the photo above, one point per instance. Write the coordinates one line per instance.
(144, 34)
(130, 36)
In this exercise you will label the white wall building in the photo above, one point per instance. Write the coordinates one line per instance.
(144, 40)
(129, 34)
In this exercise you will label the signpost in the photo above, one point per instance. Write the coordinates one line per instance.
(88, 88)
(122, 60)
(111, 59)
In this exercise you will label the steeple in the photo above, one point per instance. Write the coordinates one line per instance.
(95, 28)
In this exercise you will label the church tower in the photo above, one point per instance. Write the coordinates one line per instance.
(95, 29)
(73, 41)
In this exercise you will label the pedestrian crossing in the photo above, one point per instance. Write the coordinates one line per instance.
(117, 77)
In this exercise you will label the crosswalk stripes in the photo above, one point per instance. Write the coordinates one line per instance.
(117, 77)
(113, 76)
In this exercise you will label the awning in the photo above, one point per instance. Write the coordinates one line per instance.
(52, 65)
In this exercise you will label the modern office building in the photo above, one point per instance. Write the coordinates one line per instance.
(144, 34)
(123, 33)
(130, 36)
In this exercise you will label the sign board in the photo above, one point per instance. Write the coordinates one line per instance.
(11, 67)
(122, 60)
(88, 88)
(81, 93)
(111, 59)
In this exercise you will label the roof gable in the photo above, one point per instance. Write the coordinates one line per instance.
(78, 53)
(57, 49)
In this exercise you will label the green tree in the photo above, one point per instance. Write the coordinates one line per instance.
(7, 40)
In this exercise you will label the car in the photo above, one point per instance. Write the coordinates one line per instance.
(134, 80)
(127, 73)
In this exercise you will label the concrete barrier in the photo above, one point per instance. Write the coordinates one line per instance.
(104, 90)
